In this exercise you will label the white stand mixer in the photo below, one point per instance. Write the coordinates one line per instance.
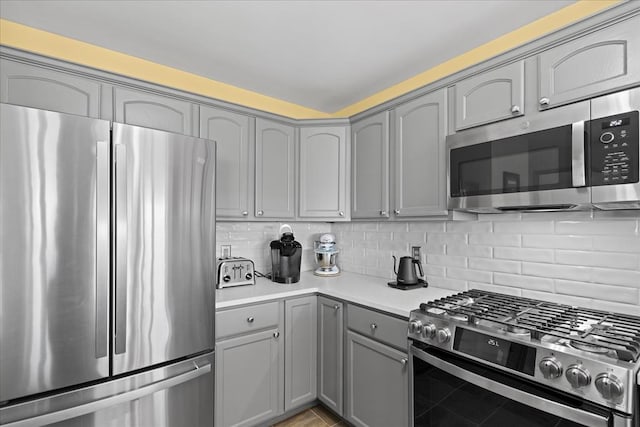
(326, 252)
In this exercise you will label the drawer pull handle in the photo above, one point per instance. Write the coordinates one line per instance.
(404, 361)
(250, 319)
(336, 307)
(374, 326)
(276, 334)
(544, 101)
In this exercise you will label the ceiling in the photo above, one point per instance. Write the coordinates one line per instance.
(324, 55)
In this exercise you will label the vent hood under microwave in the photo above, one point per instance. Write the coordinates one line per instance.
(580, 156)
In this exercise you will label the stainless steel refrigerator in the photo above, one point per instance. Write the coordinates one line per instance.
(107, 285)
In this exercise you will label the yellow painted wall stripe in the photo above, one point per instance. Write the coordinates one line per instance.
(44, 43)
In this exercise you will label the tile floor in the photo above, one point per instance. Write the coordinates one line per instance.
(313, 417)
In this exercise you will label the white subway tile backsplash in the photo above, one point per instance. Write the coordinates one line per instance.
(556, 242)
(616, 244)
(524, 282)
(447, 238)
(524, 227)
(558, 298)
(616, 277)
(495, 265)
(622, 227)
(435, 226)
(442, 282)
(475, 251)
(467, 274)
(364, 226)
(470, 226)
(495, 239)
(495, 288)
(554, 271)
(377, 235)
(434, 270)
(598, 259)
(600, 292)
(524, 254)
(393, 226)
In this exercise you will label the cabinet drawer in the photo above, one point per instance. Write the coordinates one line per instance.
(246, 319)
(378, 326)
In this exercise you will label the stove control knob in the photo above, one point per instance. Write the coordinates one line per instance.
(578, 376)
(609, 386)
(415, 327)
(550, 367)
(443, 335)
(429, 330)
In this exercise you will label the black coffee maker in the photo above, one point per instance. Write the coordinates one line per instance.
(286, 255)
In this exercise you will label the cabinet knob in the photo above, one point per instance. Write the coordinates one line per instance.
(374, 326)
(544, 101)
(245, 213)
(383, 213)
(341, 213)
(404, 361)
(276, 334)
(515, 109)
(260, 212)
(396, 211)
(336, 307)
(250, 319)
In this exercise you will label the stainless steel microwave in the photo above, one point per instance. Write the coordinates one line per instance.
(579, 156)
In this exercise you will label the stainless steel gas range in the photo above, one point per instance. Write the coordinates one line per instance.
(486, 359)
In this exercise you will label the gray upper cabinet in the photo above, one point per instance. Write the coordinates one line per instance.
(231, 133)
(330, 353)
(494, 95)
(300, 351)
(600, 62)
(139, 108)
(419, 156)
(370, 167)
(275, 170)
(377, 389)
(36, 87)
(323, 173)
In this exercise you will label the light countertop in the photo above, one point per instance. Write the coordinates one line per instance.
(369, 291)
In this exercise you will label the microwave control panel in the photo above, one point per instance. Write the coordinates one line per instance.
(615, 150)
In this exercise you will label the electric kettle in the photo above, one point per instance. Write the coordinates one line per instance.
(406, 273)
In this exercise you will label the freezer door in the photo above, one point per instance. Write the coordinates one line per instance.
(54, 250)
(179, 394)
(164, 242)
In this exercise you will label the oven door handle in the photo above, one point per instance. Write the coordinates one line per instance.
(558, 409)
(578, 175)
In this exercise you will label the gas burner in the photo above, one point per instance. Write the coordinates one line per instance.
(518, 332)
(588, 347)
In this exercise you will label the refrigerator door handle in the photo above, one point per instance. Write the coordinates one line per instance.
(121, 250)
(97, 405)
(102, 248)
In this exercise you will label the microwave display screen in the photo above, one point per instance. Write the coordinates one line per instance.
(530, 162)
(616, 122)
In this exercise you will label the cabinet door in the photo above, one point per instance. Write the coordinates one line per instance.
(300, 350)
(275, 170)
(419, 151)
(591, 65)
(138, 108)
(491, 96)
(231, 133)
(35, 87)
(377, 383)
(330, 353)
(323, 173)
(248, 389)
(370, 167)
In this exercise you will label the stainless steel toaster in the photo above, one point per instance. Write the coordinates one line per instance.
(235, 271)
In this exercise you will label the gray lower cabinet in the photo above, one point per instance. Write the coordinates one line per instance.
(149, 110)
(300, 351)
(491, 96)
(590, 65)
(36, 87)
(231, 131)
(377, 383)
(275, 170)
(370, 167)
(248, 373)
(323, 172)
(330, 353)
(419, 156)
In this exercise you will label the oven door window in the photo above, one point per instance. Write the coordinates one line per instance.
(531, 162)
(441, 399)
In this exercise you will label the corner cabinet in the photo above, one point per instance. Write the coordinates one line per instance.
(494, 95)
(419, 156)
(144, 109)
(370, 167)
(300, 351)
(322, 192)
(231, 132)
(600, 62)
(330, 353)
(45, 89)
(275, 170)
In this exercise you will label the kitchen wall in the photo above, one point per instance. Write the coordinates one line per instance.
(251, 240)
(588, 259)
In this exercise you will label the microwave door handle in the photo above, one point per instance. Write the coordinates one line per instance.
(563, 411)
(578, 176)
